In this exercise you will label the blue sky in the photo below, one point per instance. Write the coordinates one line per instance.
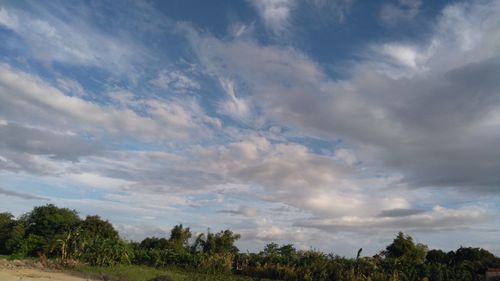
(327, 124)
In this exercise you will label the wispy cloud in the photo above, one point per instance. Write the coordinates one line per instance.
(70, 41)
(233, 105)
(21, 195)
(440, 218)
(275, 13)
(175, 81)
(243, 210)
(47, 106)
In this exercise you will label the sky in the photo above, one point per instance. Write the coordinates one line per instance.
(329, 124)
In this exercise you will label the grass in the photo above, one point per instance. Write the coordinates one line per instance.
(144, 273)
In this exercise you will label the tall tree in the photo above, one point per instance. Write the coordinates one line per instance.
(95, 226)
(180, 235)
(6, 224)
(405, 250)
(45, 225)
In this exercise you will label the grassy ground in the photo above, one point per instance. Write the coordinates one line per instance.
(144, 273)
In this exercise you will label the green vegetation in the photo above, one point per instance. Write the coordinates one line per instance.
(142, 273)
(93, 245)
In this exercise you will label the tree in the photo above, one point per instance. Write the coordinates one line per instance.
(288, 253)
(96, 242)
(270, 250)
(49, 220)
(154, 243)
(404, 250)
(17, 245)
(45, 225)
(475, 260)
(225, 242)
(6, 224)
(94, 226)
(179, 236)
(216, 243)
(436, 256)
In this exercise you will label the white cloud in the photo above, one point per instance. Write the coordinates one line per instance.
(29, 163)
(8, 20)
(96, 181)
(405, 103)
(464, 30)
(275, 233)
(402, 54)
(71, 87)
(346, 156)
(27, 99)
(233, 106)
(175, 81)
(289, 173)
(275, 13)
(72, 42)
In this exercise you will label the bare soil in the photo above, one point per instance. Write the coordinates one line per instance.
(17, 270)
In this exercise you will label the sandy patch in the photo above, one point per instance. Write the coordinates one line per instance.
(29, 274)
(22, 271)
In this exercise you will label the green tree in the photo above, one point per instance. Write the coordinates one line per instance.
(216, 243)
(270, 250)
(154, 243)
(94, 226)
(16, 243)
(46, 225)
(94, 241)
(50, 220)
(225, 242)
(288, 253)
(179, 236)
(404, 250)
(6, 224)
(436, 256)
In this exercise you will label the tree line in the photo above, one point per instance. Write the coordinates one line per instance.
(59, 233)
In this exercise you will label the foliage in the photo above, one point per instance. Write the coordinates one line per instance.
(6, 224)
(404, 251)
(45, 225)
(95, 241)
(15, 243)
(216, 243)
(94, 226)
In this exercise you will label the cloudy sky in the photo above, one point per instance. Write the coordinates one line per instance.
(327, 124)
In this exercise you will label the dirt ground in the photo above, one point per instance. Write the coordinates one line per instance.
(32, 271)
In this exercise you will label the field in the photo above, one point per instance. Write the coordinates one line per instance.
(144, 273)
(31, 270)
